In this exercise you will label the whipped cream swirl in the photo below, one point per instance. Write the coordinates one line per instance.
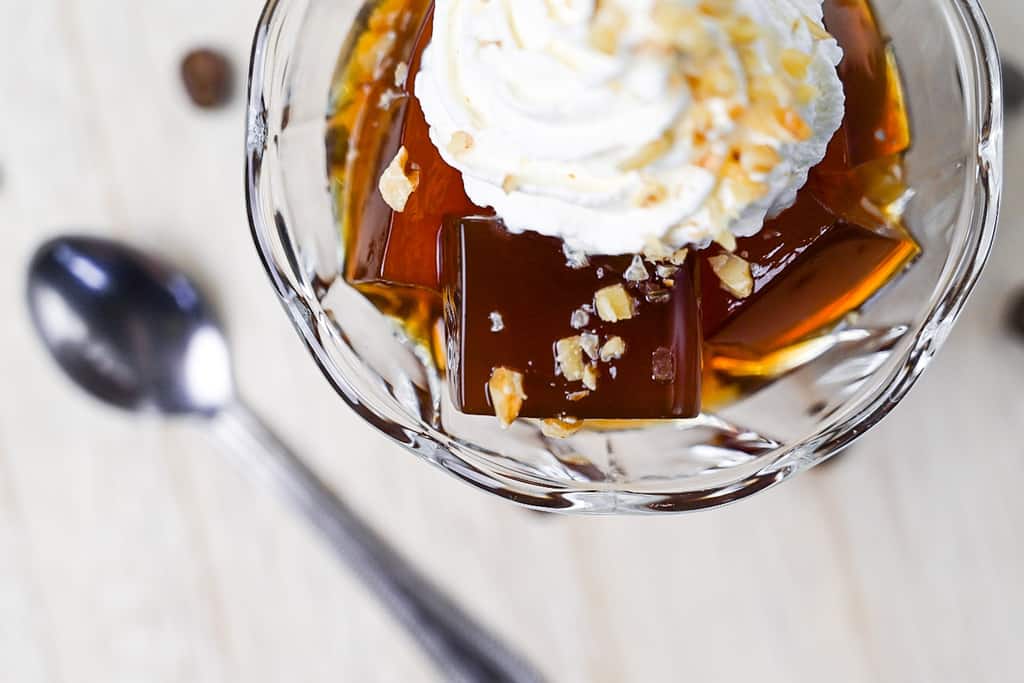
(610, 123)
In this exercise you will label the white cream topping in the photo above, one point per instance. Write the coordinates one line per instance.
(609, 123)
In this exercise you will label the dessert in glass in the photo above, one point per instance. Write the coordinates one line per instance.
(623, 255)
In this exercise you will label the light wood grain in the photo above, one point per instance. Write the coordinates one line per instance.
(129, 551)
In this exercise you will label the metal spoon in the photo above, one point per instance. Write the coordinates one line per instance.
(139, 335)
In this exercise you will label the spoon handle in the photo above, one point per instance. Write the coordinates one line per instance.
(461, 648)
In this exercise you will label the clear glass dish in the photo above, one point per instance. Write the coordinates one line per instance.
(847, 382)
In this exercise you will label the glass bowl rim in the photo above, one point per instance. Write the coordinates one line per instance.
(956, 284)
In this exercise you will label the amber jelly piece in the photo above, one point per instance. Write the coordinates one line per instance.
(875, 123)
(810, 268)
(400, 248)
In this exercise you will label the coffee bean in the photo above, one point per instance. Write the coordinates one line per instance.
(208, 78)
(1013, 87)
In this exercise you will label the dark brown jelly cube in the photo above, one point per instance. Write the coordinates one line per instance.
(810, 268)
(524, 279)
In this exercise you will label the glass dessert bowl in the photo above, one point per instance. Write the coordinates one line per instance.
(676, 363)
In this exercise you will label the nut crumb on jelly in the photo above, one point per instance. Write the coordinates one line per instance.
(497, 321)
(733, 274)
(580, 319)
(590, 343)
(614, 304)
(637, 271)
(569, 358)
(576, 396)
(575, 258)
(507, 394)
(590, 375)
(401, 74)
(396, 186)
(666, 271)
(613, 349)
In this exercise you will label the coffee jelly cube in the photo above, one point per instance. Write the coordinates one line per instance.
(510, 298)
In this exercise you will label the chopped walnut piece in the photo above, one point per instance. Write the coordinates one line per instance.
(569, 357)
(758, 158)
(716, 8)
(590, 343)
(401, 74)
(395, 185)
(656, 250)
(637, 271)
(574, 258)
(576, 396)
(606, 28)
(726, 239)
(614, 304)
(613, 349)
(716, 80)
(461, 142)
(734, 274)
(805, 93)
(742, 30)
(679, 257)
(497, 321)
(795, 63)
(816, 29)
(590, 375)
(793, 124)
(685, 27)
(507, 395)
(579, 319)
(766, 91)
(666, 270)
(561, 428)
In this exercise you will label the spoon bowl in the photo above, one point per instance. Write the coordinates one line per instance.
(128, 329)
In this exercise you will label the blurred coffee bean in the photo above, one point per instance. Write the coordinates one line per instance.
(208, 78)
(1013, 87)
(1015, 313)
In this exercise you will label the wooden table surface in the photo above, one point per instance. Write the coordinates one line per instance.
(131, 551)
